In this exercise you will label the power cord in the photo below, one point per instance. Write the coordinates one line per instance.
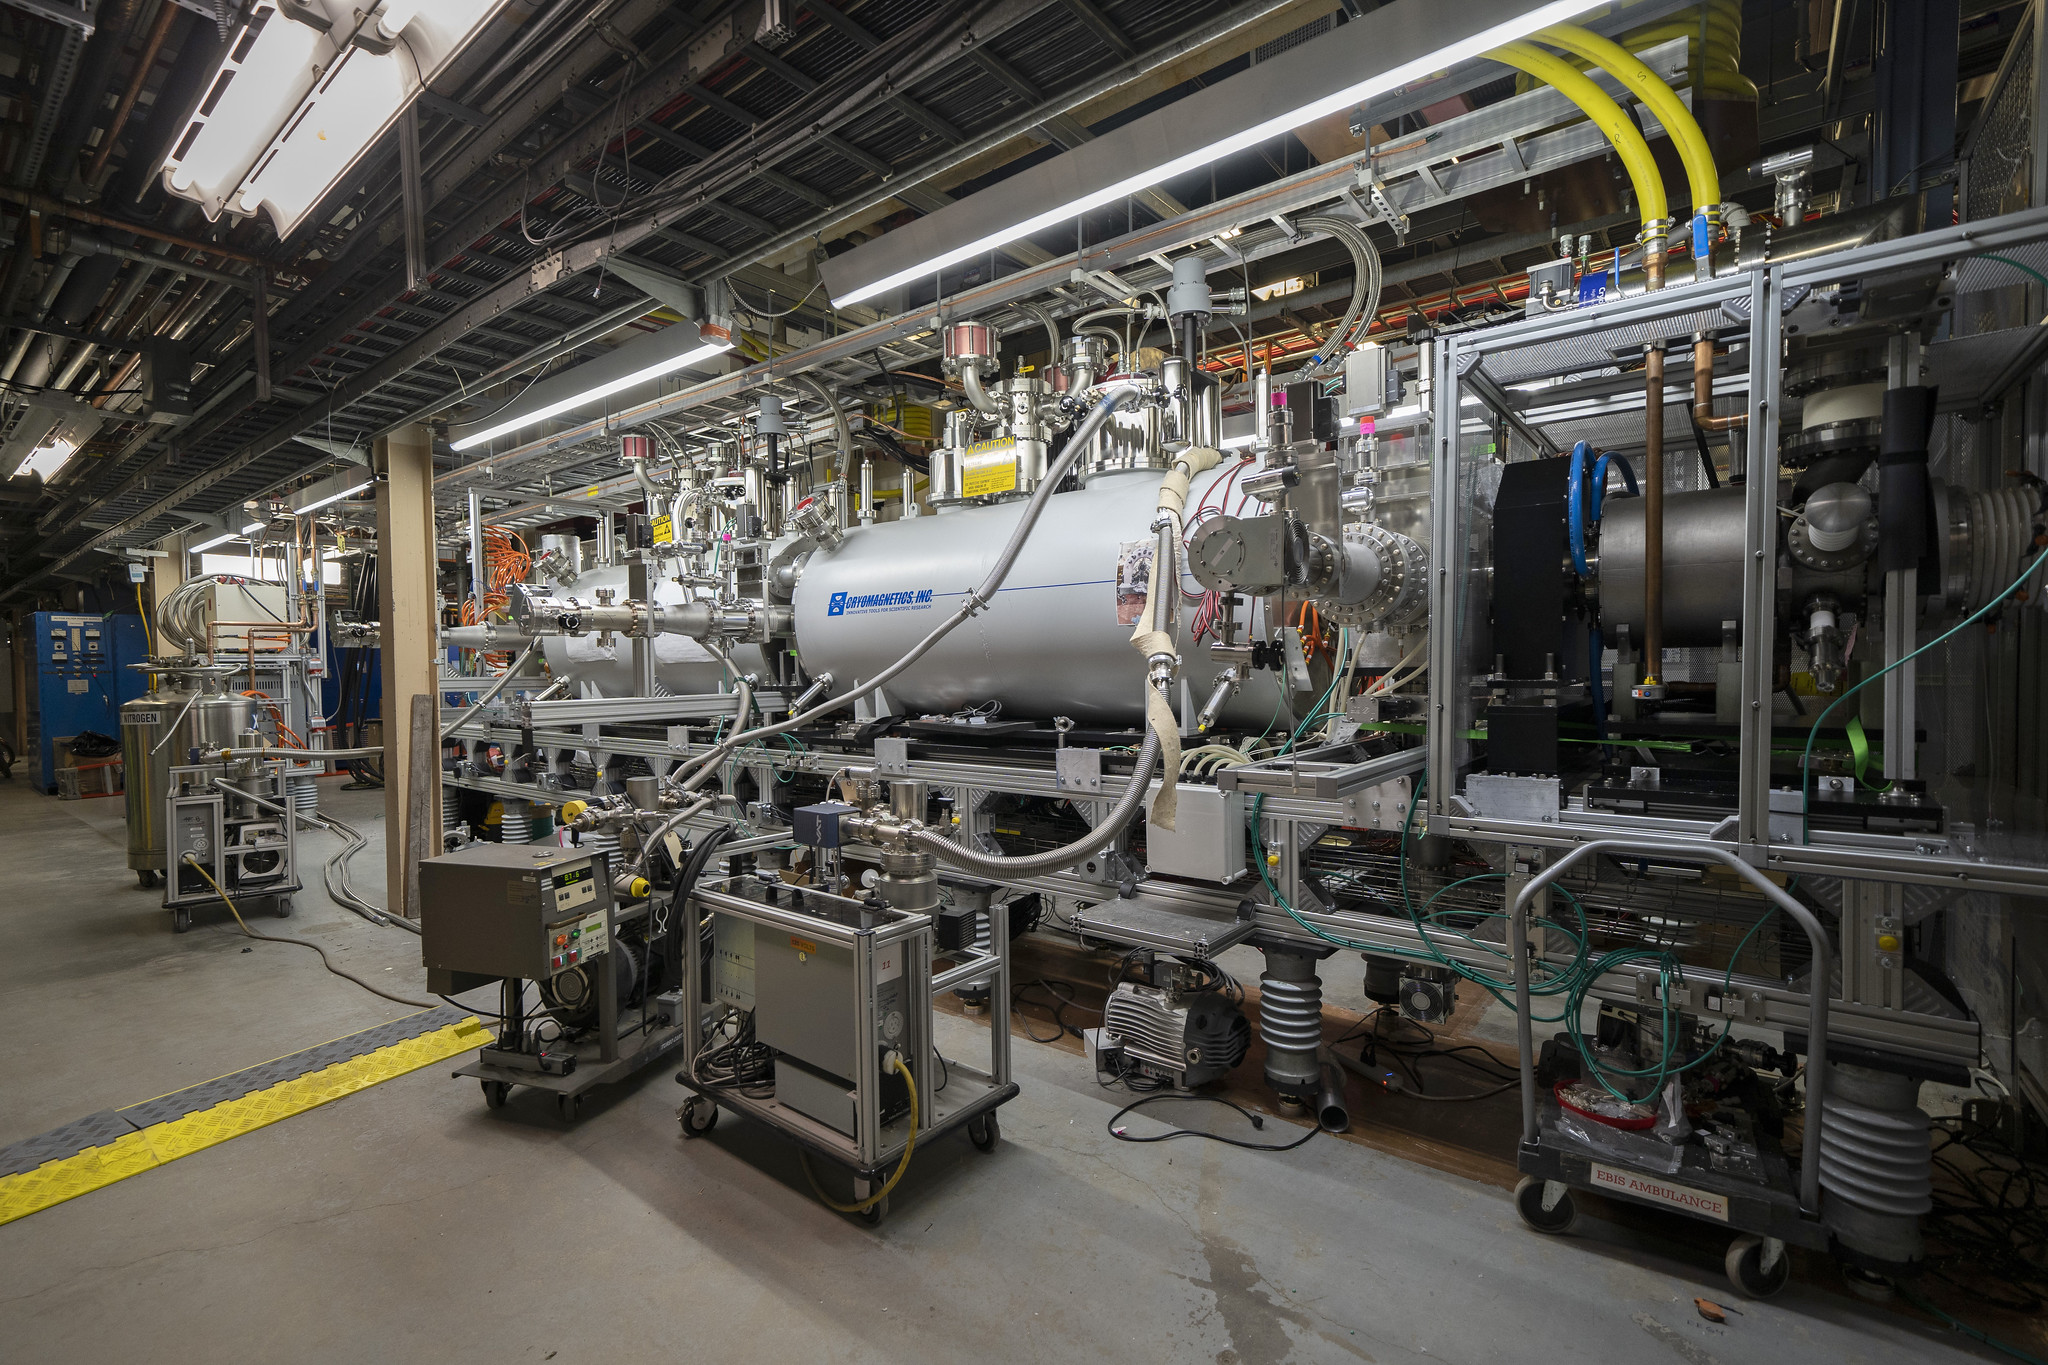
(1060, 1003)
(1257, 1121)
(192, 862)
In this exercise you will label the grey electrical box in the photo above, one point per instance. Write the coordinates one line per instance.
(513, 910)
(1365, 381)
(1206, 842)
(828, 1099)
(804, 999)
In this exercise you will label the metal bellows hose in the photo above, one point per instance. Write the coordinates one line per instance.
(1052, 860)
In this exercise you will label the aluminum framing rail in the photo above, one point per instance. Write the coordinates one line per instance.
(1759, 1001)
(1753, 301)
(1352, 780)
(1755, 1001)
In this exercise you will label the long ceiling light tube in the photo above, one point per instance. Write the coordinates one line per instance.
(321, 502)
(1529, 21)
(574, 401)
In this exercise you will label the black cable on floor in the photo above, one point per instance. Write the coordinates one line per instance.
(1059, 1005)
(1258, 1121)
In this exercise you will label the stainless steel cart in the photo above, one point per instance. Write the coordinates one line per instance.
(871, 944)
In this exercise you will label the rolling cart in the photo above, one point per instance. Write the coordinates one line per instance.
(514, 913)
(226, 837)
(1764, 1205)
(840, 990)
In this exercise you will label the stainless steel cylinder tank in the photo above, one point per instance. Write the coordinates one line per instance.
(1056, 641)
(681, 665)
(1702, 565)
(160, 730)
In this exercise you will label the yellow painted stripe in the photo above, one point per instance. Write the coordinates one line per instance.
(160, 1143)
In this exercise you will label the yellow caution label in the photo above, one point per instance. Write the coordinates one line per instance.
(802, 945)
(987, 468)
(664, 529)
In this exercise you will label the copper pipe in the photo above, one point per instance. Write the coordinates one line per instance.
(158, 31)
(57, 208)
(121, 376)
(1653, 481)
(1703, 392)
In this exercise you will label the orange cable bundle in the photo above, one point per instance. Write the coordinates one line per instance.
(1309, 622)
(285, 732)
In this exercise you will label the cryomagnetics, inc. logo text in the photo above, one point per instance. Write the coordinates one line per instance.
(868, 604)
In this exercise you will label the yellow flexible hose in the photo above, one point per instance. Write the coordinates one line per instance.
(803, 1158)
(1683, 129)
(1713, 49)
(148, 637)
(1628, 143)
(1715, 54)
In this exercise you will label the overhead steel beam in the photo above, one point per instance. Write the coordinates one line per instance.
(521, 286)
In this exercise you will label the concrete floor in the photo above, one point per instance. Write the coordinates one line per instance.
(408, 1221)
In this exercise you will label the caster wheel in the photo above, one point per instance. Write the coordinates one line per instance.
(1745, 1264)
(985, 1131)
(876, 1212)
(698, 1117)
(145, 879)
(283, 908)
(496, 1093)
(1545, 1206)
(570, 1107)
(181, 921)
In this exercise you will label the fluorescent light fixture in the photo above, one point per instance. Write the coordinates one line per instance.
(209, 544)
(304, 90)
(606, 390)
(46, 459)
(1521, 21)
(252, 526)
(319, 503)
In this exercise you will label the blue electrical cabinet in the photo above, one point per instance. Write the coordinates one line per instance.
(131, 646)
(75, 682)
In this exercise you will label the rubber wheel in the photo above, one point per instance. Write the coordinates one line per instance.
(283, 908)
(570, 1107)
(496, 1093)
(985, 1132)
(1745, 1266)
(1555, 1221)
(697, 1117)
(875, 1212)
(145, 879)
(181, 921)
